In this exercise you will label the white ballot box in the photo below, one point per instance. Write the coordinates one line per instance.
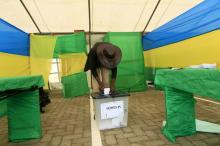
(111, 111)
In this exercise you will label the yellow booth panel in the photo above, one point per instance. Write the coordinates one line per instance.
(72, 63)
(198, 50)
(14, 65)
(41, 55)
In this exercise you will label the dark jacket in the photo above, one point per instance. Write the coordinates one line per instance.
(92, 63)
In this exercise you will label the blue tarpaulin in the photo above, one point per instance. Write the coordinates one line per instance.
(13, 40)
(201, 19)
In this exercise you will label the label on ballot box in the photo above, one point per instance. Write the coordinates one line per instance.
(112, 109)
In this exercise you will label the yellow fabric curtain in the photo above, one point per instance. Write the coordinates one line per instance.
(14, 65)
(72, 63)
(196, 50)
(41, 54)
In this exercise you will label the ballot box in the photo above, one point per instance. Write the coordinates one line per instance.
(111, 111)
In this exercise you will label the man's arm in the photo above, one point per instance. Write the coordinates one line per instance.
(95, 75)
(91, 64)
(114, 75)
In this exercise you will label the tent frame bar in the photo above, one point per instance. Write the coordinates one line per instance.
(89, 5)
(64, 33)
(30, 15)
(148, 22)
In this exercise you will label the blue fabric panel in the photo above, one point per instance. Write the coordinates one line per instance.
(201, 19)
(13, 40)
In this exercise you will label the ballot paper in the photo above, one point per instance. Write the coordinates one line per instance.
(204, 65)
(106, 91)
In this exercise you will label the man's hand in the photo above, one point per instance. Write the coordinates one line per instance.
(112, 86)
(101, 87)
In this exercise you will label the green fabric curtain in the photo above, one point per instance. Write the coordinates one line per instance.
(22, 82)
(74, 43)
(131, 71)
(203, 82)
(180, 114)
(67, 47)
(3, 108)
(24, 121)
(75, 85)
(150, 72)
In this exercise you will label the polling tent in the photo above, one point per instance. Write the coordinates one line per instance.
(189, 36)
(63, 16)
(189, 39)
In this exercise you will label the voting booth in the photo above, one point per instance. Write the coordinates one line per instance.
(179, 87)
(23, 111)
(111, 111)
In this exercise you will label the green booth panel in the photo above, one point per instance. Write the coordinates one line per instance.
(180, 114)
(131, 71)
(3, 108)
(24, 121)
(75, 85)
(203, 82)
(73, 43)
(21, 82)
(150, 73)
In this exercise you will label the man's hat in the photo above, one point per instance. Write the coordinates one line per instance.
(108, 55)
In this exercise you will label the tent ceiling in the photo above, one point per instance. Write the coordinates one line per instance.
(106, 15)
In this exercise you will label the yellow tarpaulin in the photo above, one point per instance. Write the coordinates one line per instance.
(41, 54)
(196, 50)
(72, 63)
(14, 65)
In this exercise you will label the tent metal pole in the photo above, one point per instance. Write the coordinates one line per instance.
(89, 23)
(151, 16)
(63, 33)
(89, 34)
(30, 15)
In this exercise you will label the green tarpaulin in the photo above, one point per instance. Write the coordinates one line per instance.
(74, 43)
(150, 72)
(22, 82)
(24, 121)
(203, 82)
(131, 74)
(75, 85)
(180, 114)
(3, 108)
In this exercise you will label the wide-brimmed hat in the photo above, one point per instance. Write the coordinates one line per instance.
(108, 55)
